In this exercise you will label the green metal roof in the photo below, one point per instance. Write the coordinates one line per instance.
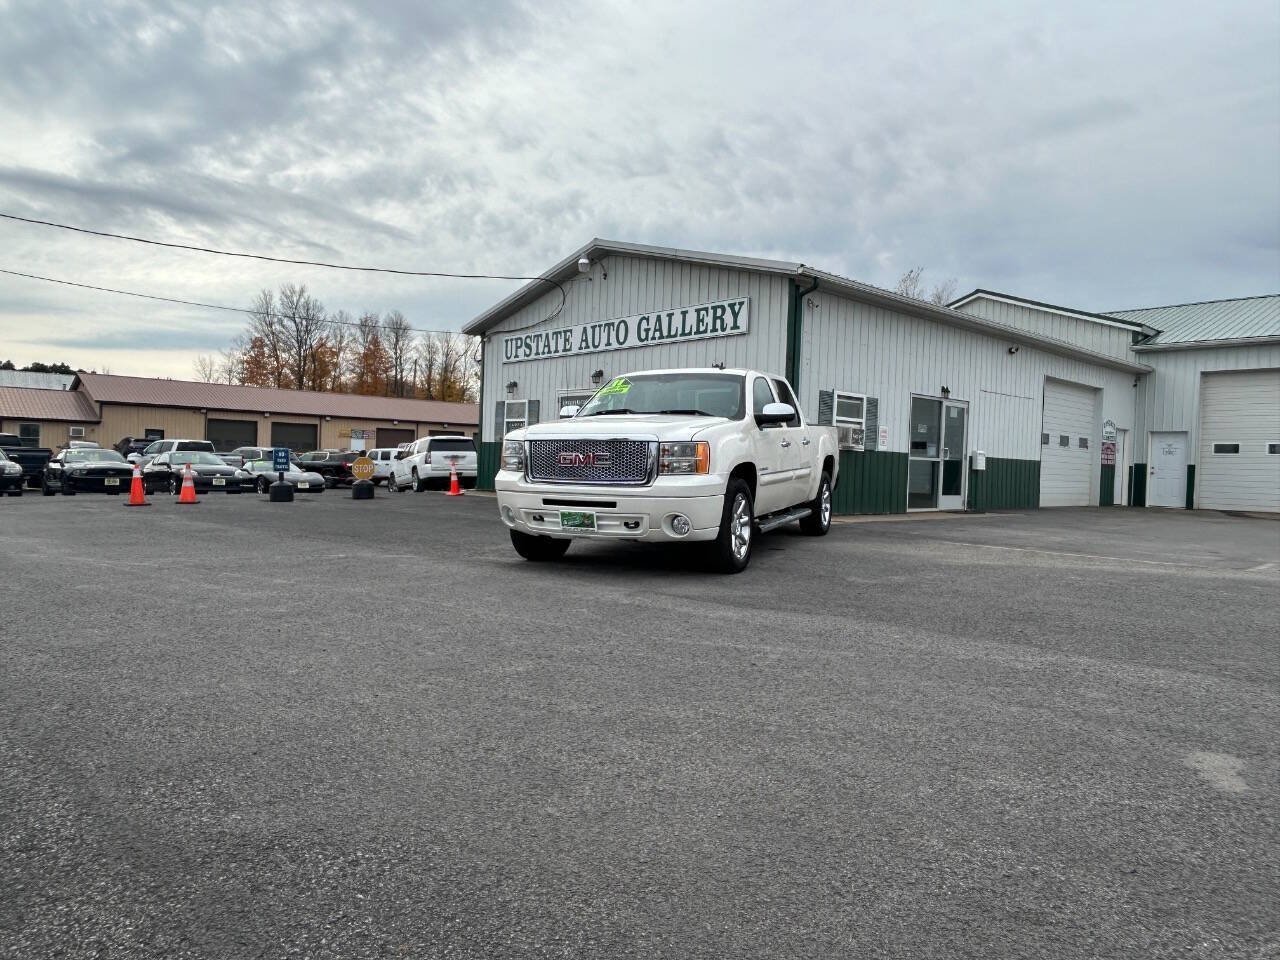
(1247, 318)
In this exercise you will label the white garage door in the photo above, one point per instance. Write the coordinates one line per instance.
(1067, 445)
(1239, 429)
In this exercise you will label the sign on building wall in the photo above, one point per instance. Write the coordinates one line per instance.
(723, 318)
(1108, 430)
(1108, 453)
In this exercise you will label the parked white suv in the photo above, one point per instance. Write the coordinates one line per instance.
(427, 461)
(670, 455)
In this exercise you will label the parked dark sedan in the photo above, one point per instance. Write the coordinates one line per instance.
(86, 469)
(208, 473)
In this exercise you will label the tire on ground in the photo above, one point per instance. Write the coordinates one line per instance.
(537, 548)
(728, 552)
(818, 523)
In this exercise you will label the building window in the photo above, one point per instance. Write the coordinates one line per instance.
(29, 434)
(1273, 449)
(1064, 440)
(516, 415)
(850, 416)
(1044, 439)
(1226, 448)
(1084, 443)
(153, 433)
(573, 398)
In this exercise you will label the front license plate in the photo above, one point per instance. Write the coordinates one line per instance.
(219, 481)
(573, 520)
(111, 482)
(303, 485)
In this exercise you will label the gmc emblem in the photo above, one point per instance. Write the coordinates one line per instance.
(573, 459)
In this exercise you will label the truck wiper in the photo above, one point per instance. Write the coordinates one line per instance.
(608, 413)
(691, 413)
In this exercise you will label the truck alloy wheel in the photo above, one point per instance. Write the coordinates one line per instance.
(819, 522)
(731, 549)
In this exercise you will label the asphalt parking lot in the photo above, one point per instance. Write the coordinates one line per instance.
(342, 729)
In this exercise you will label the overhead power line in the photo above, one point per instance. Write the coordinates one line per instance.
(193, 303)
(270, 259)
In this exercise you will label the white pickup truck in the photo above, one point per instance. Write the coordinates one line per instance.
(706, 455)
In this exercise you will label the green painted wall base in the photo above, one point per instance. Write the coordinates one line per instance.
(871, 482)
(1107, 486)
(488, 458)
(1005, 485)
(1138, 485)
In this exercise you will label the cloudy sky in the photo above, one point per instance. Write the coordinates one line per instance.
(1095, 154)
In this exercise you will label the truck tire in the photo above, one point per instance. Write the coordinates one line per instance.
(818, 523)
(419, 485)
(537, 548)
(730, 551)
(45, 489)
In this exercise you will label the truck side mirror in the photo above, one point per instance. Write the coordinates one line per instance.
(774, 413)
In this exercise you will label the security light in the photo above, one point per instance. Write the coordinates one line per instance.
(597, 378)
(511, 388)
(584, 265)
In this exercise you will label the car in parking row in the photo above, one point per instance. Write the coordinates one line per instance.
(264, 474)
(209, 474)
(84, 470)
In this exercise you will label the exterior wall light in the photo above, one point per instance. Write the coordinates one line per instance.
(946, 391)
(597, 378)
(511, 388)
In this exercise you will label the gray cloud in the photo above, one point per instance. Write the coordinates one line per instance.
(1084, 154)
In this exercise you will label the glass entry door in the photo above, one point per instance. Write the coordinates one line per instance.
(935, 467)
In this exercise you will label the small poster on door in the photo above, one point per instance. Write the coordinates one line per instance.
(884, 438)
(1108, 453)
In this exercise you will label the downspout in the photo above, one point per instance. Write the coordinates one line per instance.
(795, 327)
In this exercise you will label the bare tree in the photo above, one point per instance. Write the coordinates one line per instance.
(207, 368)
(232, 367)
(301, 318)
(398, 339)
(911, 284)
(265, 326)
(342, 342)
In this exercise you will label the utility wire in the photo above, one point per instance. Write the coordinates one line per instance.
(304, 263)
(194, 303)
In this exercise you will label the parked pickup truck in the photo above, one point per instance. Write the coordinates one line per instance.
(30, 459)
(710, 455)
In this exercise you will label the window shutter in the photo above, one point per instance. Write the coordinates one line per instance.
(826, 407)
(533, 413)
(872, 415)
(499, 419)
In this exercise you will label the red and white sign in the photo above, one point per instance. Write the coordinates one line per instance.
(1108, 453)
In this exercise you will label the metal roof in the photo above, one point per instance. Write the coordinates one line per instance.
(32, 403)
(37, 381)
(567, 268)
(1243, 319)
(1040, 305)
(191, 394)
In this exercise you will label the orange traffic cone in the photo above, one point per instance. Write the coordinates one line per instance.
(454, 489)
(137, 496)
(188, 494)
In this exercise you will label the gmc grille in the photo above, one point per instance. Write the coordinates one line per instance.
(628, 461)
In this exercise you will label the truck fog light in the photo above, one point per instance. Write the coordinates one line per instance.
(508, 515)
(680, 525)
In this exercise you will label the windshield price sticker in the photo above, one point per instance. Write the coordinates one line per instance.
(617, 388)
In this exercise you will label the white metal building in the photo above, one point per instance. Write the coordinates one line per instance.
(1064, 404)
(917, 388)
(1209, 412)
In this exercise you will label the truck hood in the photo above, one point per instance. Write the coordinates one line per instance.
(667, 426)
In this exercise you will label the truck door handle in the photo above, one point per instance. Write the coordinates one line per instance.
(785, 443)
(804, 442)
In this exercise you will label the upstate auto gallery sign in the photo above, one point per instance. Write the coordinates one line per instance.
(723, 318)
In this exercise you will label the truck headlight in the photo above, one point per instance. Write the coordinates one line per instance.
(513, 455)
(11, 467)
(690, 457)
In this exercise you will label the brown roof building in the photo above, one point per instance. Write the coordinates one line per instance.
(106, 409)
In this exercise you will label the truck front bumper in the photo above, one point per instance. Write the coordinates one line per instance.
(621, 513)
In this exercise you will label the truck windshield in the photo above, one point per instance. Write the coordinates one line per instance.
(706, 394)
